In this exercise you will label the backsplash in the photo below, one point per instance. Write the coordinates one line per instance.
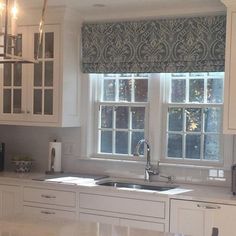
(34, 141)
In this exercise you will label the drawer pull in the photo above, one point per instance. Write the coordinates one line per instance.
(47, 196)
(211, 207)
(48, 212)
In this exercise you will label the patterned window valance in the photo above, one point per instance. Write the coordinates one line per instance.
(165, 45)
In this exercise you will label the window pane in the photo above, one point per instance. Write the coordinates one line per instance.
(193, 119)
(122, 117)
(215, 90)
(17, 74)
(18, 46)
(212, 147)
(17, 101)
(7, 74)
(36, 43)
(106, 141)
(106, 116)
(193, 146)
(196, 90)
(136, 136)
(38, 74)
(212, 119)
(121, 142)
(109, 90)
(175, 145)
(178, 88)
(138, 117)
(49, 44)
(141, 89)
(48, 80)
(175, 119)
(7, 101)
(37, 101)
(48, 102)
(125, 90)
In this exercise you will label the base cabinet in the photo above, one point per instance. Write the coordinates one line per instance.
(49, 203)
(122, 210)
(202, 218)
(10, 200)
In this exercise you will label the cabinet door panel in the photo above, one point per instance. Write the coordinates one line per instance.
(191, 218)
(122, 205)
(45, 76)
(224, 220)
(10, 203)
(99, 218)
(143, 224)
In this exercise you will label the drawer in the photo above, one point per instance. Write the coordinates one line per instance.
(143, 224)
(48, 213)
(48, 196)
(122, 205)
(98, 218)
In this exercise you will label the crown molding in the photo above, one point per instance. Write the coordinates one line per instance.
(229, 3)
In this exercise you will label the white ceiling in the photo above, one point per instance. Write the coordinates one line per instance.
(131, 8)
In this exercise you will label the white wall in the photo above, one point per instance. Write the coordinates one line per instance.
(34, 142)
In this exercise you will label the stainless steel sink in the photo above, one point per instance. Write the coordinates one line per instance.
(118, 184)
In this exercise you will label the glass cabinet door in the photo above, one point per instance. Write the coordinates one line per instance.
(12, 83)
(43, 75)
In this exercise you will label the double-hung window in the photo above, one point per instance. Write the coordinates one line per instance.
(122, 114)
(179, 113)
(194, 117)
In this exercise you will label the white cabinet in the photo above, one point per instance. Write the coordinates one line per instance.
(10, 200)
(30, 91)
(230, 69)
(202, 218)
(49, 203)
(45, 93)
(124, 210)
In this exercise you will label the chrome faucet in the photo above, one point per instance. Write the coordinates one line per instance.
(149, 169)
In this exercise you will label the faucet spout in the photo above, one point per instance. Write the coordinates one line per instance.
(148, 167)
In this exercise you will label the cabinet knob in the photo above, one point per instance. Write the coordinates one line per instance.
(28, 112)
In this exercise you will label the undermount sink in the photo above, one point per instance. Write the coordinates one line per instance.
(118, 184)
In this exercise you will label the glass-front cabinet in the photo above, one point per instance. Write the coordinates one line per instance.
(45, 76)
(30, 91)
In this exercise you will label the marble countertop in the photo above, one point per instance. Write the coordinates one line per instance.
(25, 226)
(184, 191)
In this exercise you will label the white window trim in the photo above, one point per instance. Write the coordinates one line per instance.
(227, 140)
(157, 103)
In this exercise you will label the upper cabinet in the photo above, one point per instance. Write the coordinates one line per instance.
(45, 93)
(230, 69)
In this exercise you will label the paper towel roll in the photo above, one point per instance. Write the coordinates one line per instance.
(54, 157)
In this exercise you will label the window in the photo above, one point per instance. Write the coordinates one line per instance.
(194, 116)
(179, 113)
(122, 111)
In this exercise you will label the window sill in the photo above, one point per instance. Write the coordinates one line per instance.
(194, 166)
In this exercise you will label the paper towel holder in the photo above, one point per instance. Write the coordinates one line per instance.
(52, 165)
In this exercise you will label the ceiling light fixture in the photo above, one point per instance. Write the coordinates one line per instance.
(9, 11)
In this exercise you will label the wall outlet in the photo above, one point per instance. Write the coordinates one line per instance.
(69, 148)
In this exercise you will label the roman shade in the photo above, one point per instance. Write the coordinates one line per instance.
(195, 44)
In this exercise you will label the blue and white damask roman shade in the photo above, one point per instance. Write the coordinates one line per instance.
(194, 44)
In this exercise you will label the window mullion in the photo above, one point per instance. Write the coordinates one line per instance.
(129, 131)
(114, 130)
